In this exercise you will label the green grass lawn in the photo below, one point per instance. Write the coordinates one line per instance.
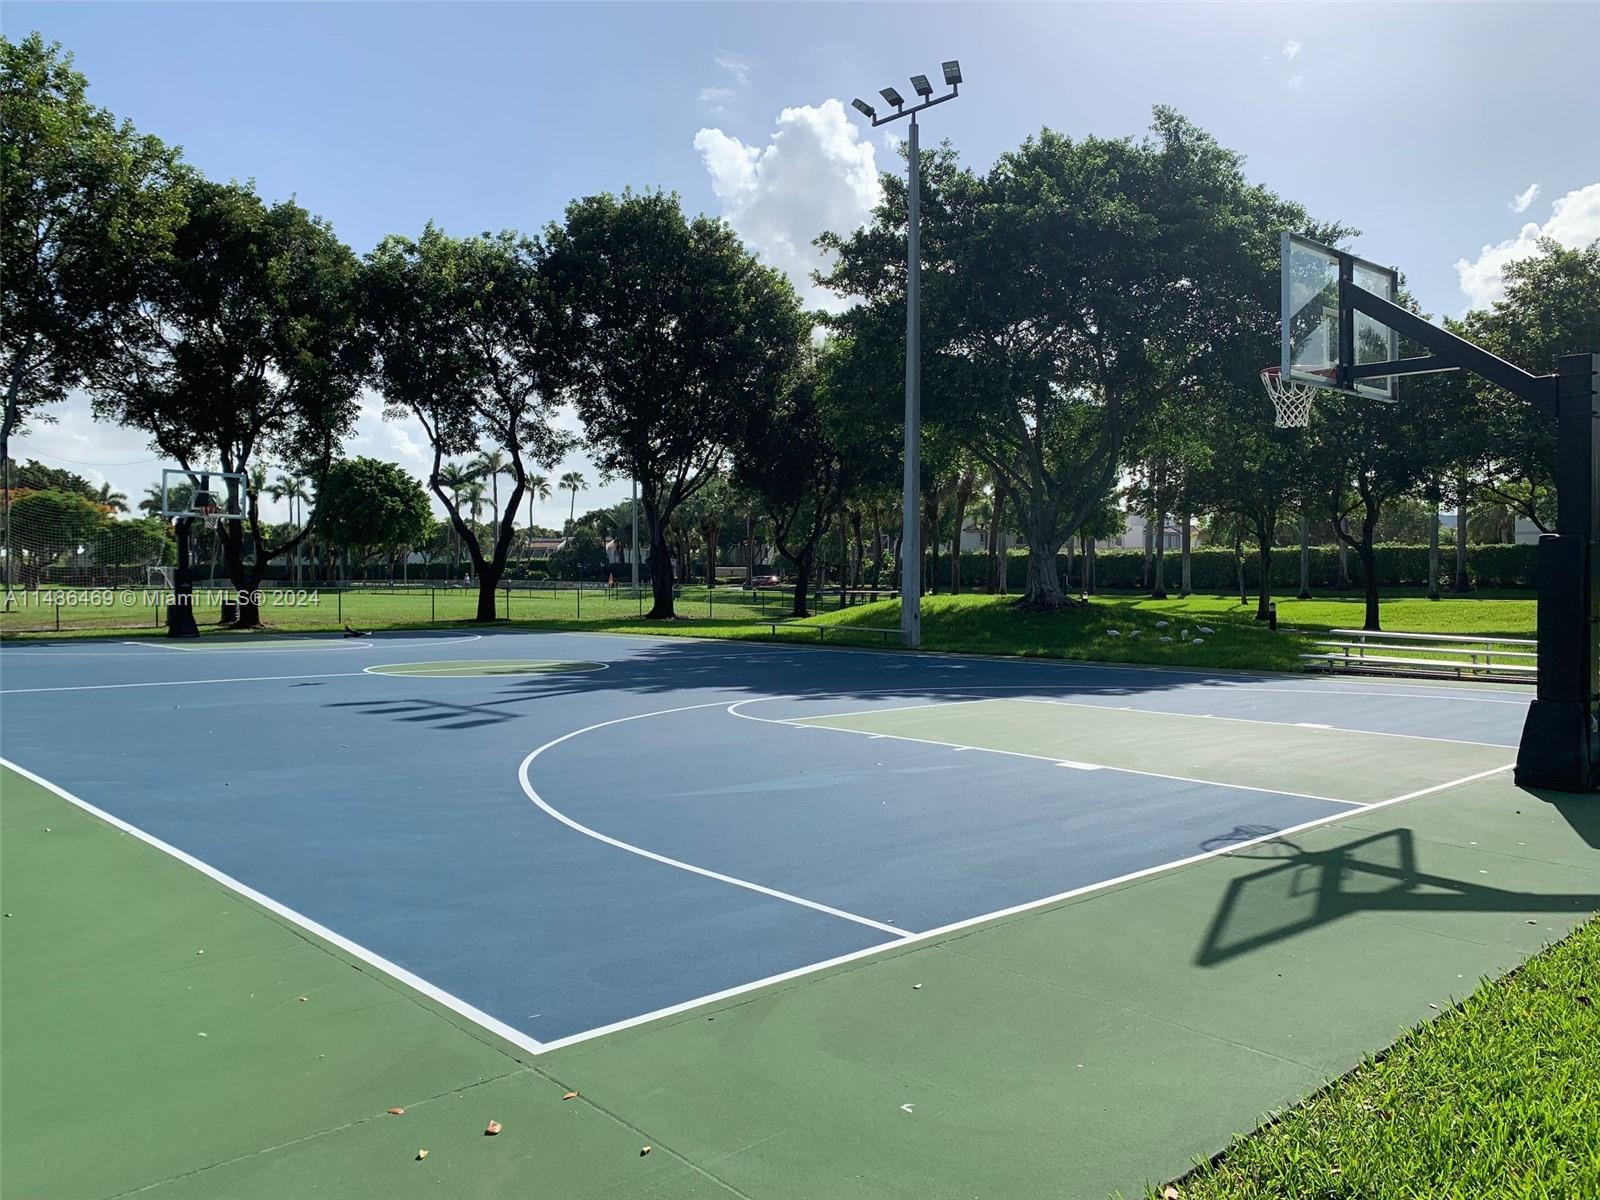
(1498, 1097)
(1109, 629)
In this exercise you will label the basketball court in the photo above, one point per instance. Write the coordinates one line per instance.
(568, 844)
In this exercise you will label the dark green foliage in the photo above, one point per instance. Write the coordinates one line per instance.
(367, 507)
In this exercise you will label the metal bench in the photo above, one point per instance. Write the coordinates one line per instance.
(1372, 651)
(824, 630)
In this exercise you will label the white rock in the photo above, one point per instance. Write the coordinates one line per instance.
(1161, 624)
(1134, 634)
(1198, 642)
(1207, 629)
(1113, 633)
(1166, 639)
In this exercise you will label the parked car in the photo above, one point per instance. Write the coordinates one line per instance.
(767, 579)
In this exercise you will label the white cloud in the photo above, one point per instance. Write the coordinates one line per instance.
(1296, 80)
(1574, 221)
(715, 100)
(1291, 48)
(1520, 202)
(815, 173)
(735, 66)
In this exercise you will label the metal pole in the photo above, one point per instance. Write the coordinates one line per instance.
(636, 537)
(910, 537)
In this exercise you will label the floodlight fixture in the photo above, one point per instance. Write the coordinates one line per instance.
(952, 72)
(921, 86)
(865, 109)
(892, 96)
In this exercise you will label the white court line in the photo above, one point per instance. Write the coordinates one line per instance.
(1161, 712)
(904, 939)
(437, 994)
(101, 687)
(572, 667)
(944, 931)
(306, 644)
(804, 723)
(533, 794)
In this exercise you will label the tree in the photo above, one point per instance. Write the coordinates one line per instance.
(370, 507)
(1061, 288)
(574, 482)
(87, 207)
(291, 487)
(47, 525)
(490, 465)
(671, 334)
(795, 456)
(111, 499)
(462, 331)
(1551, 307)
(538, 488)
(245, 348)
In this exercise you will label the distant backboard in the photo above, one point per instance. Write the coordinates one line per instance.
(1315, 324)
(210, 496)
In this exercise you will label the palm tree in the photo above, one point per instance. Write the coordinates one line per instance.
(455, 477)
(293, 489)
(490, 465)
(538, 489)
(574, 482)
(151, 504)
(472, 494)
(113, 500)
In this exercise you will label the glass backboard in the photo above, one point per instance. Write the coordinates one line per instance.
(1312, 316)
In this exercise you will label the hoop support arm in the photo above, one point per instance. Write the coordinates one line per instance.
(1448, 350)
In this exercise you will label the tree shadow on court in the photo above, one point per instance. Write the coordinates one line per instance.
(748, 670)
(1303, 889)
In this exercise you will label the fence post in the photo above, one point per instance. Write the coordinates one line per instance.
(433, 606)
(508, 602)
(338, 600)
(580, 599)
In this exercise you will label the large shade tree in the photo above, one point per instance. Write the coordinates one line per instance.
(245, 348)
(370, 507)
(462, 336)
(87, 207)
(671, 334)
(1065, 292)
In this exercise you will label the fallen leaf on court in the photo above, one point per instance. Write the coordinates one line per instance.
(397, 1112)
(421, 1154)
(302, 999)
(643, 1150)
(907, 1107)
(1169, 1193)
(492, 1128)
(570, 1096)
(915, 987)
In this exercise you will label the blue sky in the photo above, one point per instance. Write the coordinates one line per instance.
(1423, 125)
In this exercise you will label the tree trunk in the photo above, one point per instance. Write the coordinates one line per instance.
(1066, 581)
(1264, 557)
(1341, 531)
(1305, 557)
(1158, 589)
(802, 582)
(1433, 553)
(930, 540)
(997, 539)
(711, 534)
(1186, 554)
(1461, 583)
(1044, 583)
(964, 484)
(1238, 562)
(1369, 568)
(660, 575)
(858, 548)
(877, 545)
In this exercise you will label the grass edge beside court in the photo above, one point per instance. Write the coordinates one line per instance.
(1502, 1089)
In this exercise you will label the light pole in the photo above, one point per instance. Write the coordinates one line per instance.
(910, 520)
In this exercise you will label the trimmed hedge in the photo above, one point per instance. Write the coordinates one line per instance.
(1212, 568)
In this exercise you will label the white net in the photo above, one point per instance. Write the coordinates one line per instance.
(1291, 401)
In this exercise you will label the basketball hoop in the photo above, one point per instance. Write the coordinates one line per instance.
(1290, 399)
(211, 514)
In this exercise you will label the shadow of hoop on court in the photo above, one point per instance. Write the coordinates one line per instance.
(1302, 889)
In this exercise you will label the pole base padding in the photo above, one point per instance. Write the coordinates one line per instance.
(180, 621)
(1558, 749)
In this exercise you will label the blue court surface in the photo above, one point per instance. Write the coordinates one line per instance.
(560, 833)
